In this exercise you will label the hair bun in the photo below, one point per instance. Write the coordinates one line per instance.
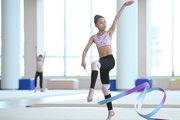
(96, 17)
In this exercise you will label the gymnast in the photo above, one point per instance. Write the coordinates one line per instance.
(39, 71)
(103, 41)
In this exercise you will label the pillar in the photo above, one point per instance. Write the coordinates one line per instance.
(11, 44)
(33, 34)
(144, 38)
(126, 47)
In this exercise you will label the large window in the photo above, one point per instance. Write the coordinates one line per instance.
(176, 38)
(77, 34)
(68, 27)
(165, 24)
(54, 37)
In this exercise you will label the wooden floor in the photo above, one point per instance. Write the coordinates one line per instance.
(72, 105)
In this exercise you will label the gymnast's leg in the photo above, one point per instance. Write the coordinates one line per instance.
(106, 91)
(35, 81)
(95, 66)
(107, 63)
(41, 81)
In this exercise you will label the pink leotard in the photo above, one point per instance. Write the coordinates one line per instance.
(102, 40)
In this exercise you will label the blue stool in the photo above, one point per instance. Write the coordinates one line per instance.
(143, 80)
(113, 84)
(26, 84)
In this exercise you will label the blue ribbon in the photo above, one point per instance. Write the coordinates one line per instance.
(140, 99)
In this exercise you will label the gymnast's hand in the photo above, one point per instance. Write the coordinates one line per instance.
(83, 64)
(128, 3)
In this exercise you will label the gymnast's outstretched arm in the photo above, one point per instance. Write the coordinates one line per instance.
(114, 24)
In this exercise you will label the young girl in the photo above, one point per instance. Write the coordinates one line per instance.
(39, 70)
(106, 62)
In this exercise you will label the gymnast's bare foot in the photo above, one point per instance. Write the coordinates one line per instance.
(111, 113)
(90, 95)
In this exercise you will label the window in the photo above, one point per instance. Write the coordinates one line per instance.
(165, 25)
(68, 27)
(176, 37)
(77, 34)
(54, 37)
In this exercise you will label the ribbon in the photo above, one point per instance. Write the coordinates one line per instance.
(139, 100)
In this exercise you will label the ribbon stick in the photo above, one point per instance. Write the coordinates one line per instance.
(87, 72)
(139, 100)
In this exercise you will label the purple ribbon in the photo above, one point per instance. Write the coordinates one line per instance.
(140, 99)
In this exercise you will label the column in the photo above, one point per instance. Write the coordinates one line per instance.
(126, 47)
(144, 38)
(34, 34)
(11, 44)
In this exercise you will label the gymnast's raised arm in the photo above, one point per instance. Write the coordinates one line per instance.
(114, 24)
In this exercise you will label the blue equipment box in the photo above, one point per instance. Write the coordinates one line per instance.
(143, 80)
(26, 84)
(113, 84)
